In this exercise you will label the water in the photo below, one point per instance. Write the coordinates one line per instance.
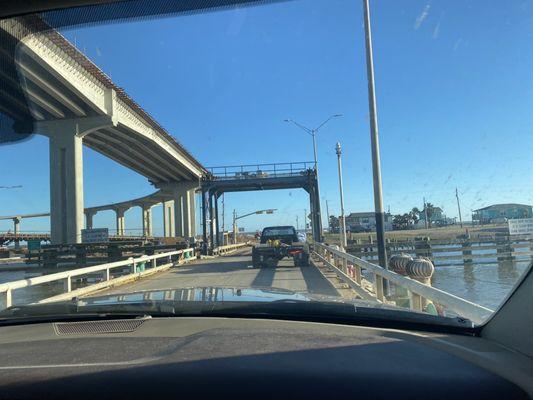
(484, 283)
(28, 295)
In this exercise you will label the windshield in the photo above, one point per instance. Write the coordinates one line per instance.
(392, 143)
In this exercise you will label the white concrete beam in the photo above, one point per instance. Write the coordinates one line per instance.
(30, 74)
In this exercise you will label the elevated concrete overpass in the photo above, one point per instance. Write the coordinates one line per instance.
(70, 100)
(146, 203)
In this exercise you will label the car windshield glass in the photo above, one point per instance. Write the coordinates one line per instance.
(386, 145)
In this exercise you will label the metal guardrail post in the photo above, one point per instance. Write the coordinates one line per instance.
(378, 287)
(9, 298)
(67, 284)
(415, 301)
(357, 274)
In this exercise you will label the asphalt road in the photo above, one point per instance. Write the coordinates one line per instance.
(234, 270)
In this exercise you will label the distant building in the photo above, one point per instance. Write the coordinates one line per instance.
(502, 212)
(437, 218)
(365, 222)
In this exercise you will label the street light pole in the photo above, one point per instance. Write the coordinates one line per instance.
(235, 218)
(313, 133)
(374, 138)
(327, 214)
(341, 191)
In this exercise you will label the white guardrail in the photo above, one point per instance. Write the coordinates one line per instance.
(138, 269)
(349, 269)
(221, 250)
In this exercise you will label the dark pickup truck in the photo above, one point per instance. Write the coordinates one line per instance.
(278, 242)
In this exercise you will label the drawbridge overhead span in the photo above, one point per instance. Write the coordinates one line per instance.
(256, 177)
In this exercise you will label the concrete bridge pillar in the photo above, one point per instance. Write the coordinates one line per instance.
(89, 215)
(16, 225)
(184, 212)
(66, 169)
(183, 199)
(168, 218)
(66, 187)
(16, 230)
(121, 221)
(192, 212)
(147, 220)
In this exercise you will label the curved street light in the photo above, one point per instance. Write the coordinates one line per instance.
(313, 133)
(235, 218)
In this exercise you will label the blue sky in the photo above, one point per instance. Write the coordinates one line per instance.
(454, 89)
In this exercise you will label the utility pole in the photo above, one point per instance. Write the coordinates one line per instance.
(342, 224)
(223, 216)
(297, 227)
(327, 216)
(459, 207)
(374, 139)
(234, 226)
(425, 214)
(305, 220)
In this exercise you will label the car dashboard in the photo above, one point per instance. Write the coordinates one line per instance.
(259, 358)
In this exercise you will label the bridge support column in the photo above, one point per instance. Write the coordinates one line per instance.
(89, 215)
(192, 212)
(183, 197)
(184, 212)
(121, 221)
(66, 187)
(168, 218)
(217, 227)
(16, 230)
(66, 169)
(178, 215)
(147, 220)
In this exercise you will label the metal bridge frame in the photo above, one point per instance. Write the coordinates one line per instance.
(251, 178)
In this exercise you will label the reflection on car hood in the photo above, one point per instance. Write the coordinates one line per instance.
(219, 294)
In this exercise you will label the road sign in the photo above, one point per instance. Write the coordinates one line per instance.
(241, 229)
(34, 244)
(97, 235)
(520, 226)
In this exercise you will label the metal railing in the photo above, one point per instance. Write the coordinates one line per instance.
(137, 266)
(349, 268)
(221, 250)
(261, 170)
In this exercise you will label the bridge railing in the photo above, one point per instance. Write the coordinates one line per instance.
(221, 250)
(350, 269)
(138, 267)
(261, 170)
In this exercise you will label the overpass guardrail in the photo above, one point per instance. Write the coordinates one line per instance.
(135, 269)
(349, 268)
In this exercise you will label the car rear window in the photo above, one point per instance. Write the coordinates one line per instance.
(278, 231)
